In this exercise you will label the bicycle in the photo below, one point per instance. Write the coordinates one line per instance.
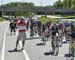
(55, 44)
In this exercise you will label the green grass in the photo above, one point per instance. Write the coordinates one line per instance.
(66, 16)
(58, 15)
(1, 19)
(44, 19)
(69, 16)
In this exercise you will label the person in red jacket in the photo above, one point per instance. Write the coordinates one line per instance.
(21, 26)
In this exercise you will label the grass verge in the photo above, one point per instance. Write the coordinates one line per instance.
(1, 19)
(44, 19)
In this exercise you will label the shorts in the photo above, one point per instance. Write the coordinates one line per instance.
(21, 36)
(13, 29)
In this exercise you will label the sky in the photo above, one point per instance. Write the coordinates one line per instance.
(36, 2)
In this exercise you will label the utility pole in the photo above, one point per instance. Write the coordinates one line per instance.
(41, 3)
(2, 7)
(67, 3)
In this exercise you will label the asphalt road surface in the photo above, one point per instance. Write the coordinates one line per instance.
(33, 50)
(3, 26)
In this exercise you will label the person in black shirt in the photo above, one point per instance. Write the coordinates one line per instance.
(13, 26)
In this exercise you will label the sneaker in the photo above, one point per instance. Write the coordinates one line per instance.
(15, 49)
(22, 49)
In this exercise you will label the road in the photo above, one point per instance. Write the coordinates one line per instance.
(3, 26)
(33, 49)
(51, 16)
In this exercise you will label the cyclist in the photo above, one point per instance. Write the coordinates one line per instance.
(27, 25)
(31, 28)
(62, 32)
(54, 31)
(35, 27)
(72, 46)
(39, 27)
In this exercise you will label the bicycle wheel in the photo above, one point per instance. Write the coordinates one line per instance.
(56, 51)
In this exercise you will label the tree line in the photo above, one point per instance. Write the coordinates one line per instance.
(57, 4)
(20, 5)
(65, 4)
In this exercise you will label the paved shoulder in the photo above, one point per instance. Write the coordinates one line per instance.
(3, 26)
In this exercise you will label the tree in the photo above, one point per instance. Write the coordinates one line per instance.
(58, 4)
(20, 5)
(65, 4)
(73, 4)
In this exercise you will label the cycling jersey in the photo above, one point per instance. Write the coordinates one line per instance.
(54, 29)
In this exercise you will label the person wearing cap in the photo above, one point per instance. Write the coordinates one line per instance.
(21, 33)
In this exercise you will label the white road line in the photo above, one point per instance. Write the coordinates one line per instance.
(3, 46)
(24, 52)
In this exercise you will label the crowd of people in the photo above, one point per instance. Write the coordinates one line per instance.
(55, 32)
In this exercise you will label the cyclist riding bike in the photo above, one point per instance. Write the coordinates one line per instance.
(39, 27)
(31, 28)
(62, 32)
(55, 35)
